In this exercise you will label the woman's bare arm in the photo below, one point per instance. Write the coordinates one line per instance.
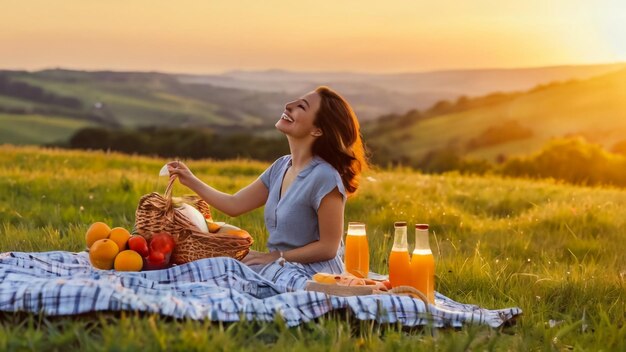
(248, 198)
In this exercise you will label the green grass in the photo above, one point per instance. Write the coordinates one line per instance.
(11, 102)
(38, 129)
(554, 250)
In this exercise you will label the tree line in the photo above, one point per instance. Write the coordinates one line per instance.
(180, 142)
(573, 160)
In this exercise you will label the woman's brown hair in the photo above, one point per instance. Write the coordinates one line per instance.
(340, 143)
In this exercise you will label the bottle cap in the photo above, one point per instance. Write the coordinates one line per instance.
(399, 223)
(421, 226)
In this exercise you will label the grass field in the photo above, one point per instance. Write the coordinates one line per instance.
(555, 250)
(35, 129)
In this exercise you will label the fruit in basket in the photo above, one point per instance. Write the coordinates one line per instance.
(194, 215)
(161, 247)
(128, 260)
(97, 231)
(102, 254)
(139, 244)
(213, 226)
(233, 231)
(162, 242)
(120, 236)
(155, 261)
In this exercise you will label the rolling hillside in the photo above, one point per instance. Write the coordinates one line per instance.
(134, 99)
(124, 99)
(373, 95)
(49, 106)
(515, 123)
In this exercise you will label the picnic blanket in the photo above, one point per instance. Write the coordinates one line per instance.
(219, 289)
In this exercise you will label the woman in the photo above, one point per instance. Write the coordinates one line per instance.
(304, 193)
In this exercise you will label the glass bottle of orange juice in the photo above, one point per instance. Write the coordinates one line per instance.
(399, 261)
(423, 264)
(357, 256)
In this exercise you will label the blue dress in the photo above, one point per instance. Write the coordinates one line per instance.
(291, 219)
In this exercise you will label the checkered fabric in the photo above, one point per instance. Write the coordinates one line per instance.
(219, 289)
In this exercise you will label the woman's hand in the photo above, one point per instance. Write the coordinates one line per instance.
(178, 168)
(254, 257)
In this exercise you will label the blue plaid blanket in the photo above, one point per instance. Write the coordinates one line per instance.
(219, 289)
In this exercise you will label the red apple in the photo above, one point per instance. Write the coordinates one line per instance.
(162, 242)
(155, 261)
(139, 244)
(160, 251)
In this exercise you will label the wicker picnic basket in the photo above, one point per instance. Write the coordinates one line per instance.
(156, 213)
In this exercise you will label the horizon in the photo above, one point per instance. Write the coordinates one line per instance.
(281, 70)
(196, 37)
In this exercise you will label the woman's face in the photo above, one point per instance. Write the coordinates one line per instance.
(299, 115)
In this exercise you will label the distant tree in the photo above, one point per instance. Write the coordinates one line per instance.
(619, 147)
(441, 107)
(462, 102)
(440, 160)
(505, 132)
(573, 160)
(184, 143)
(449, 159)
(90, 138)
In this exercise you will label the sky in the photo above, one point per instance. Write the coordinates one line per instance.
(391, 36)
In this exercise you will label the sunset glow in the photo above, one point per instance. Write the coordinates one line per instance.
(368, 36)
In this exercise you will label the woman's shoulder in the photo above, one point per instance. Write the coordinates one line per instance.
(322, 167)
(273, 171)
(281, 161)
(325, 173)
(324, 178)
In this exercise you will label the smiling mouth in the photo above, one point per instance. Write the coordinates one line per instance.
(285, 117)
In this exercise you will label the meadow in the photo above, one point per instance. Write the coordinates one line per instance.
(555, 250)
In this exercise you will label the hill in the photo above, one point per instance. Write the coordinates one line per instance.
(125, 99)
(50, 105)
(373, 95)
(500, 125)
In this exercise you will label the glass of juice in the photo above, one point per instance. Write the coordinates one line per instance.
(357, 256)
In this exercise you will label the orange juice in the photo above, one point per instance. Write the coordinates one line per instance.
(357, 256)
(399, 262)
(423, 264)
(423, 273)
(399, 268)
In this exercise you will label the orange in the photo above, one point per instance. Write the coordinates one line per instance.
(213, 227)
(233, 231)
(120, 236)
(102, 254)
(239, 233)
(128, 260)
(97, 231)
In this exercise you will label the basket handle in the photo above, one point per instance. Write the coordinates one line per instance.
(168, 197)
